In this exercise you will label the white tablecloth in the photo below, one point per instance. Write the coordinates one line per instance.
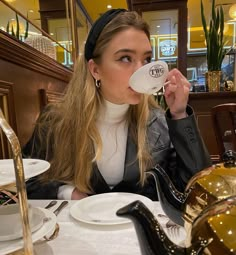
(77, 238)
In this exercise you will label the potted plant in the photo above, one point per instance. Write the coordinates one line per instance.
(214, 35)
(16, 31)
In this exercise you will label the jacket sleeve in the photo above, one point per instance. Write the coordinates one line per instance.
(36, 148)
(191, 153)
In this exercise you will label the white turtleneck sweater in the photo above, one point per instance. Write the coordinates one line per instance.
(113, 129)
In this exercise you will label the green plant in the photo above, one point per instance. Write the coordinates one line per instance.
(26, 28)
(16, 32)
(214, 34)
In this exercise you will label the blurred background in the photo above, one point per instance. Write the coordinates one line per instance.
(67, 22)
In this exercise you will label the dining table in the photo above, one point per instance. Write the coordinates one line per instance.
(80, 238)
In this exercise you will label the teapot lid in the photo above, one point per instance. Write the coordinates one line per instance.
(229, 159)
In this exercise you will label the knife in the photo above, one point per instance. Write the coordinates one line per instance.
(60, 207)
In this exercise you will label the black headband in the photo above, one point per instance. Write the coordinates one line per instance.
(96, 30)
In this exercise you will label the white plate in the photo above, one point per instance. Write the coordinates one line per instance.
(32, 167)
(14, 232)
(101, 209)
(48, 226)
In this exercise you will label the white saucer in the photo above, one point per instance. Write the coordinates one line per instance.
(32, 167)
(48, 226)
(101, 209)
(14, 232)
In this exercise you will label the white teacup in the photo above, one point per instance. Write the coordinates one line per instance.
(149, 78)
(10, 218)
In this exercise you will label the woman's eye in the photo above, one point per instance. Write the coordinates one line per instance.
(125, 59)
(147, 60)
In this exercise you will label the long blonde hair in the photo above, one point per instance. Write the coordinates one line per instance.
(72, 123)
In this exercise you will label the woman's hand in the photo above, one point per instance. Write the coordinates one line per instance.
(77, 195)
(176, 94)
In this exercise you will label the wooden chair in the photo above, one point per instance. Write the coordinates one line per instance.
(224, 123)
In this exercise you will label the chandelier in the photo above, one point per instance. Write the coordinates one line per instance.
(232, 11)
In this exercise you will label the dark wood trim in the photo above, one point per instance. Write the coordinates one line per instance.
(50, 5)
(182, 37)
(86, 14)
(207, 95)
(51, 10)
(46, 15)
(24, 55)
(6, 90)
(74, 32)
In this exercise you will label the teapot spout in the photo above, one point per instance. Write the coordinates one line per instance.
(172, 201)
(151, 236)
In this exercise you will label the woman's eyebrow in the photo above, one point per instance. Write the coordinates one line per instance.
(131, 51)
(125, 51)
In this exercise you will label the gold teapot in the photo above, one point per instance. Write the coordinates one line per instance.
(208, 200)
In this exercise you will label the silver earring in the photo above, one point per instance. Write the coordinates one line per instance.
(98, 83)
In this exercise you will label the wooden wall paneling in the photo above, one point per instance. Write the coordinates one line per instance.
(8, 108)
(207, 131)
(29, 71)
(27, 83)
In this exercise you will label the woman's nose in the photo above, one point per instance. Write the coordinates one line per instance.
(138, 65)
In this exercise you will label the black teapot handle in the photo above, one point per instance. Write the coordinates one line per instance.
(229, 158)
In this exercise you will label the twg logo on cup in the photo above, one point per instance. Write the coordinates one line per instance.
(157, 71)
(149, 78)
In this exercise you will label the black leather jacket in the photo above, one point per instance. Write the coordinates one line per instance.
(176, 145)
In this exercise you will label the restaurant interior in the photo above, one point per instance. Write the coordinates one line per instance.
(40, 41)
(57, 39)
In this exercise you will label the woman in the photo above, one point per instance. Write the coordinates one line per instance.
(104, 136)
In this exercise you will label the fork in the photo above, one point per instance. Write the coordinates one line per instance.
(173, 232)
(173, 229)
(51, 204)
(171, 224)
(60, 207)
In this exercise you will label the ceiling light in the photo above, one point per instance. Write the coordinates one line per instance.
(232, 11)
(109, 6)
(10, 1)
